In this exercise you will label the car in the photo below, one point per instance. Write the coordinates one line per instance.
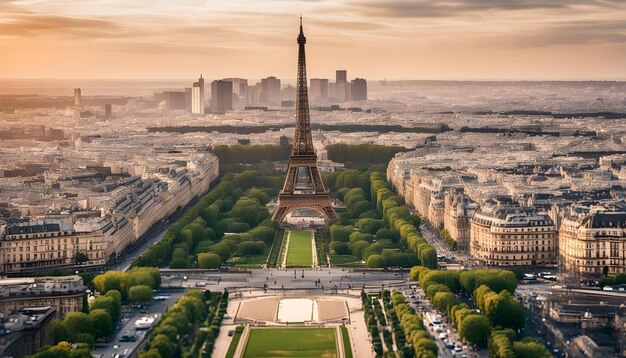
(450, 345)
(231, 332)
(116, 346)
(128, 338)
(458, 349)
(442, 335)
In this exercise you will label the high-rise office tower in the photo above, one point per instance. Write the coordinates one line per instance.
(253, 94)
(197, 97)
(221, 96)
(342, 86)
(343, 91)
(270, 88)
(341, 76)
(240, 87)
(77, 97)
(319, 89)
(359, 89)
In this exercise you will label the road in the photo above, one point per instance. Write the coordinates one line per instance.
(129, 316)
(286, 279)
(432, 236)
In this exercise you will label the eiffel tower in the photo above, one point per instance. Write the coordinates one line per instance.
(303, 186)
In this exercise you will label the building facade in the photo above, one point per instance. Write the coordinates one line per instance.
(221, 96)
(594, 243)
(503, 233)
(359, 89)
(197, 97)
(107, 226)
(319, 89)
(458, 211)
(63, 293)
(24, 333)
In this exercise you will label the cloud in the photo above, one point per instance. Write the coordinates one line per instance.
(451, 8)
(42, 25)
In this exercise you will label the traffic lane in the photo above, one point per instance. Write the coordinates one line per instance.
(128, 326)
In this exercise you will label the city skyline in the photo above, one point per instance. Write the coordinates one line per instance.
(512, 40)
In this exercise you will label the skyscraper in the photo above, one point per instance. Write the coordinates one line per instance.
(359, 89)
(240, 87)
(341, 76)
(270, 88)
(77, 97)
(221, 96)
(319, 89)
(197, 97)
(342, 86)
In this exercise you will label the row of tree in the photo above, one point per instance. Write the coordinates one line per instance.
(251, 154)
(363, 153)
(65, 350)
(86, 327)
(492, 291)
(619, 279)
(371, 320)
(198, 237)
(135, 285)
(178, 327)
(399, 218)
(397, 331)
(503, 344)
(413, 326)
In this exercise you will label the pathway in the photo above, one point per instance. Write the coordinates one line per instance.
(284, 250)
(314, 249)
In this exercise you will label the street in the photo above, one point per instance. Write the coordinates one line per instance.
(129, 316)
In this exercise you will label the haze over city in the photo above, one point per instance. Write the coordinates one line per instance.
(403, 39)
(321, 178)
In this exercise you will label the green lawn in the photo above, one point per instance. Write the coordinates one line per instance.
(251, 261)
(291, 342)
(347, 348)
(300, 250)
(233, 344)
(346, 260)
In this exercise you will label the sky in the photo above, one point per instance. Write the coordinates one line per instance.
(374, 39)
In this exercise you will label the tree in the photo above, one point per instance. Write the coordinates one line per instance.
(110, 280)
(209, 261)
(179, 263)
(375, 261)
(163, 344)
(358, 247)
(59, 332)
(151, 353)
(140, 294)
(81, 257)
(116, 310)
(102, 323)
(65, 350)
(249, 248)
(530, 348)
(475, 328)
(78, 322)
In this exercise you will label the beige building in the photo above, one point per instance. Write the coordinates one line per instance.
(458, 210)
(594, 243)
(503, 233)
(63, 293)
(41, 244)
(108, 225)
